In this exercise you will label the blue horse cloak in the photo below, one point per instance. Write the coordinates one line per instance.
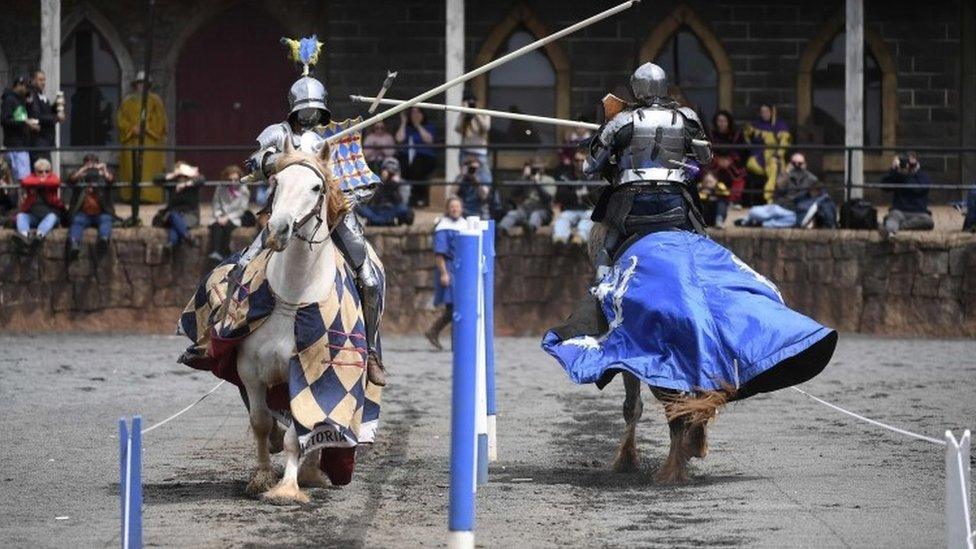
(686, 314)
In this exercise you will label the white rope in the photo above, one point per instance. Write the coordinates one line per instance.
(184, 410)
(871, 421)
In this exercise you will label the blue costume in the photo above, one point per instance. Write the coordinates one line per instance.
(445, 236)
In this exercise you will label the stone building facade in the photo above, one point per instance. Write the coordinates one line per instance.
(732, 55)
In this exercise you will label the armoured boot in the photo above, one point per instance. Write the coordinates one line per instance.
(371, 295)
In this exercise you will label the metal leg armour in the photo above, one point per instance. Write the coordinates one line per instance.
(352, 243)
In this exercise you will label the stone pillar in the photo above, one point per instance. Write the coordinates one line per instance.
(968, 95)
(854, 94)
(453, 67)
(51, 60)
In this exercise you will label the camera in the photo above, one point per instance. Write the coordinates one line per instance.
(91, 175)
(534, 170)
(902, 161)
(472, 169)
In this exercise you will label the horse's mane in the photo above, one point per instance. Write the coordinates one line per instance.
(335, 200)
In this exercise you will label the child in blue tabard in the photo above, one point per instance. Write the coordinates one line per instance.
(445, 235)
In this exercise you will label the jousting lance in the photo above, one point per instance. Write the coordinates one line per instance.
(489, 112)
(390, 75)
(496, 114)
(483, 69)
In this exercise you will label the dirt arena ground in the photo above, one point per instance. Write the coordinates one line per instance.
(783, 471)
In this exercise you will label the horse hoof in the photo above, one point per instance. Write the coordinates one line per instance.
(671, 476)
(285, 495)
(313, 477)
(626, 462)
(261, 481)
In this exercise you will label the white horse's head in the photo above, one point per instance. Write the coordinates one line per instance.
(306, 200)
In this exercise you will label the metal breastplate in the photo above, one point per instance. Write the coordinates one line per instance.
(658, 139)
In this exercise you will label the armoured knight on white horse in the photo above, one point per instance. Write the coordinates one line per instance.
(307, 125)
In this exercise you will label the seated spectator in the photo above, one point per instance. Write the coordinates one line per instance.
(445, 233)
(378, 145)
(6, 200)
(572, 203)
(791, 198)
(572, 140)
(728, 164)
(388, 207)
(92, 204)
(970, 222)
(474, 130)
(41, 207)
(531, 203)
(817, 208)
(910, 201)
(230, 211)
(714, 197)
(418, 161)
(182, 211)
(475, 195)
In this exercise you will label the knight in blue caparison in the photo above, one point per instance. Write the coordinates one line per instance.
(308, 126)
(670, 306)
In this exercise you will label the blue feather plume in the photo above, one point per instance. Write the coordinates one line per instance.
(308, 50)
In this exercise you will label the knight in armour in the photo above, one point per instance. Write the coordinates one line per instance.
(307, 126)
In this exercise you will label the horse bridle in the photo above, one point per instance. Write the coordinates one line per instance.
(315, 212)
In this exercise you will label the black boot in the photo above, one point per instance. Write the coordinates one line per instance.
(74, 250)
(434, 333)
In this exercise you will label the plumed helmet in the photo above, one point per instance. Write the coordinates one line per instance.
(307, 92)
(648, 82)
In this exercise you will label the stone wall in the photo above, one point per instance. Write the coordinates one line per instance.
(919, 284)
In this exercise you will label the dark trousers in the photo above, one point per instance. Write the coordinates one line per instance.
(443, 320)
(178, 228)
(220, 236)
(384, 215)
(418, 171)
(970, 222)
(81, 221)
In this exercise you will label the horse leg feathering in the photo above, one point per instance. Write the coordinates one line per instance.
(287, 490)
(688, 416)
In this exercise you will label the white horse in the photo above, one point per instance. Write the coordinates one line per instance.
(306, 202)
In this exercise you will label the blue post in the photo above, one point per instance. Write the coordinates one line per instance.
(488, 249)
(463, 390)
(123, 472)
(130, 482)
(135, 486)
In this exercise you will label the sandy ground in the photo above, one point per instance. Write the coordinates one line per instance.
(783, 472)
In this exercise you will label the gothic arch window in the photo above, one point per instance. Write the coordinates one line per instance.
(527, 85)
(699, 69)
(691, 72)
(820, 88)
(537, 83)
(91, 79)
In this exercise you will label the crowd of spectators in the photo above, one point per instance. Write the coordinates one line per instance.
(749, 171)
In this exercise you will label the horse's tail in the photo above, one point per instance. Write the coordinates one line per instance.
(697, 408)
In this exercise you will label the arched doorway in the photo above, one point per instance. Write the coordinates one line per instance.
(227, 95)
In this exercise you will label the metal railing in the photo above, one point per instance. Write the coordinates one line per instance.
(540, 149)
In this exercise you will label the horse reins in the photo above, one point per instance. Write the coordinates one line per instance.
(315, 212)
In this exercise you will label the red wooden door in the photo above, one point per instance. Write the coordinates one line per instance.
(232, 81)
